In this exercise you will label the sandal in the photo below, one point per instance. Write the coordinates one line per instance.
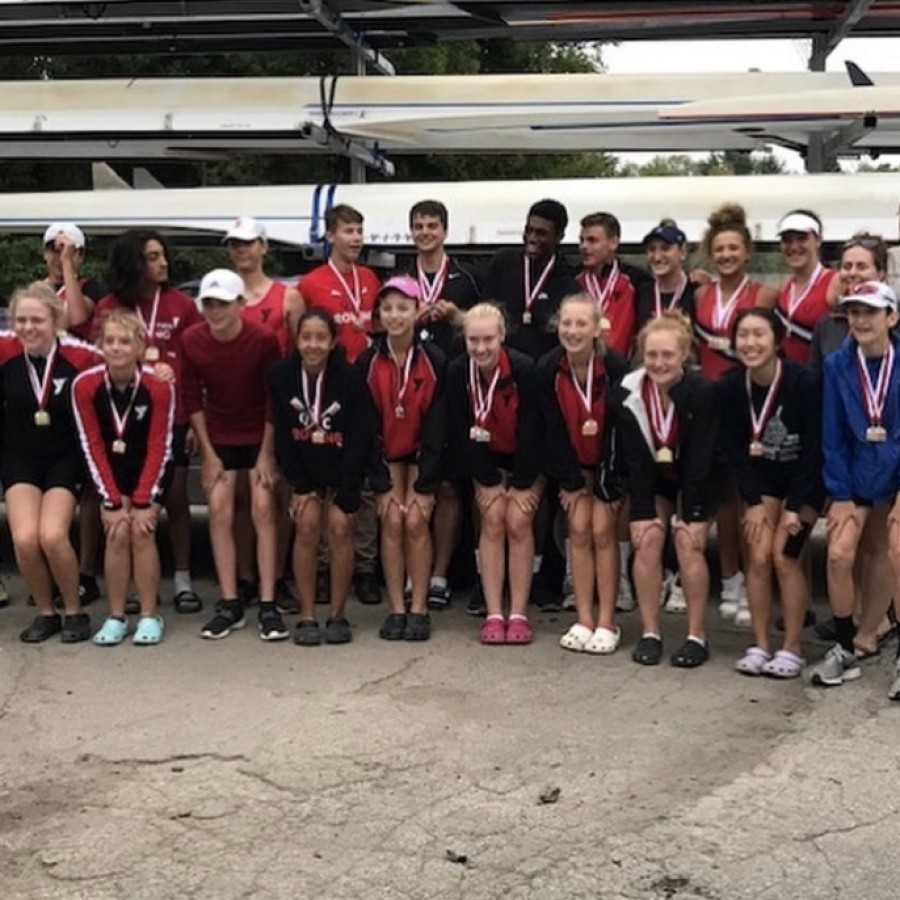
(690, 655)
(112, 632)
(492, 631)
(648, 651)
(519, 631)
(150, 631)
(576, 638)
(753, 662)
(186, 602)
(604, 641)
(784, 664)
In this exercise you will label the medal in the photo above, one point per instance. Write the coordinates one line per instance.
(403, 369)
(602, 293)
(673, 303)
(40, 387)
(352, 295)
(875, 397)
(359, 325)
(590, 428)
(532, 293)
(151, 354)
(399, 411)
(722, 315)
(318, 437)
(662, 423)
(150, 327)
(120, 423)
(722, 344)
(118, 446)
(431, 290)
(758, 423)
(605, 323)
(665, 455)
(312, 408)
(481, 402)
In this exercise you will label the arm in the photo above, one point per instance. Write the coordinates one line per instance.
(79, 308)
(836, 448)
(92, 445)
(806, 487)
(703, 422)
(294, 307)
(159, 444)
(434, 430)
(561, 463)
(736, 436)
(530, 447)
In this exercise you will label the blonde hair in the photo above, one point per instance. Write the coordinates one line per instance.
(128, 322)
(727, 217)
(486, 311)
(43, 293)
(675, 322)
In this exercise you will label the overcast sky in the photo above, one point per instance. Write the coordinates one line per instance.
(637, 57)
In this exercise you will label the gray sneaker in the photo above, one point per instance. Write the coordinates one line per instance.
(837, 667)
(894, 692)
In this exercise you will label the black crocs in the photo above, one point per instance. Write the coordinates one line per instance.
(648, 651)
(690, 655)
(393, 628)
(42, 628)
(418, 627)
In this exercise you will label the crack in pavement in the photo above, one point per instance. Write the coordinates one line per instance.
(378, 682)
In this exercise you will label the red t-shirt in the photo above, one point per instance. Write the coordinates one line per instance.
(616, 302)
(811, 307)
(322, 289)
(270, 313)
(175, 314)
(714, 363)
(227, 381)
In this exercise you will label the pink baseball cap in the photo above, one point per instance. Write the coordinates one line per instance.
(404, 284)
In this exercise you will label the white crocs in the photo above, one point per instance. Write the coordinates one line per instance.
(604, 641)
(576, 638)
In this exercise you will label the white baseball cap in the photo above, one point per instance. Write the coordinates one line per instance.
(246, 228)
(221, 284)
(72, 232)
(872, 293)
(800, 223)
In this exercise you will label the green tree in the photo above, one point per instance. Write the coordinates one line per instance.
(728, 162)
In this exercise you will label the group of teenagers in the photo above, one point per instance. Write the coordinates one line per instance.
(348, 420)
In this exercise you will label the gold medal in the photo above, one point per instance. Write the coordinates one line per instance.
(722, 344)
(590, 428)
(151, 354)
(481, 435)
(118, 446)
(42, 418)
(318, 437)
(665, 455)
(605, 323)
(876, 434)
(358, 324)
(756, 448)
(526, 317)
(399, 411)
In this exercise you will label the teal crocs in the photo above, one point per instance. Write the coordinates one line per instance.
(150, 630)
(112, 632)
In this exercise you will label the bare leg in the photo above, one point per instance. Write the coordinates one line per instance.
(57, 512)
(306, 550)
(221, 534)
(23, 511)
(340, 540)
(606, 560)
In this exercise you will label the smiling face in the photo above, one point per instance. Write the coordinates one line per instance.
(121, 347)
(397, 313)
(484, 339)
(665, 259)
(755, 341)
(857, 266)
(541, 238)
(35, 325)
(428, 233)
(664, 356)
(246, 256)
(222, 315)
(870, 326)
(800, 250)
(730, 254)
(314, 343)
(596, 246)
(579, 326)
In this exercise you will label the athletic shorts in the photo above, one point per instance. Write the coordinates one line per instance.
(241, 456)
(181, 459)
(126, 482)
(67, 472)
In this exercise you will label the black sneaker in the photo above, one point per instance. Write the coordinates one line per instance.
(248, 592)
(229, 617)
(271, 625)
(476, 605)
(75, 629)
(88, 589)
(307, 634)
(393, 627)
(438, 597)
(41, 628)
(337, 631)
(285, 600)
(367, 589)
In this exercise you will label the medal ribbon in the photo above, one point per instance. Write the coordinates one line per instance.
(795, 301)
(875, 397)
(120, 423)
(602, 293)
(657, 296)
(531, 293)
(758, 423)
(661, 422)
(587, 393)
(403, 370)
(315, 407)
(41, 387)
(431, 291)
(722, 314)
(150, 327)
(352, 294)
(481, 402)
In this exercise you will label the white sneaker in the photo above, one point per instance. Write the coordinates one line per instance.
(675, 603)
(894, 692)
(568, 593)
(732, 595)
(742, 616)
(667, 580)
(625, 601)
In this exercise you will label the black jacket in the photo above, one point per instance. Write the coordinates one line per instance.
(697, 461)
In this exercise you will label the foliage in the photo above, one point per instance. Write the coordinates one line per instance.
(728, 162)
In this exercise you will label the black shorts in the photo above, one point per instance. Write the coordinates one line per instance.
(127, 481)
(67, 472)
(181, 459)
(241, 456)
